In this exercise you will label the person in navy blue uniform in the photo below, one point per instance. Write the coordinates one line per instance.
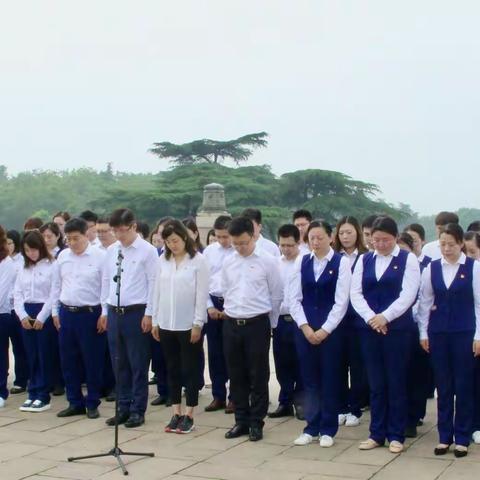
(19, 354)
(319, 294)
(385, 286)
(287, 369)
(32, 301)
(449, 323)
(348, 241)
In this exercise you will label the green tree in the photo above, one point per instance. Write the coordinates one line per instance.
(210, 151)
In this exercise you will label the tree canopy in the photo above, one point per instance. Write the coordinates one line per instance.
(210, 151)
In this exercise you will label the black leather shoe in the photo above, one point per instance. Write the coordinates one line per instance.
(17, 389)
(135, 420)
(215, 405)
(110, 396)
(92, 413)
(411, 431)
(299, 412)
(237, 431)
(282, 411)
(71, 411)
(158, 401)
(441, 450)
(460, 453)
(256, 434)
(122, 418)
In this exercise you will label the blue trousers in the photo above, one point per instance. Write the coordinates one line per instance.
(419, 376)
(82, 352)
(320, 372)
(21, 364)
(133, 355)
(4, 337)
(476, 416)
(354, 393)
(159, 367)
(108, 376)
(217, 365)
(386, 360)
(287, 369)
(57, 379)
(453, 365)
(40, 355)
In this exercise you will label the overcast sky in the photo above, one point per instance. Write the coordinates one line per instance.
(385, 91)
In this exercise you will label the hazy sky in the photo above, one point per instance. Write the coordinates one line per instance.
(385, 91)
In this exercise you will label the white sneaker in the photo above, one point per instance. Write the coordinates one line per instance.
(476, 437)
(304, 439)
(26, 406)
(352, 420)
(326, 441)
(342, 418)
(39, 406)
(2, 402)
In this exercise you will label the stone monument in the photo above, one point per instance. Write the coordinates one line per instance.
(212, 206)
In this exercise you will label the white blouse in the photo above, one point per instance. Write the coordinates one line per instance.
(180, 293)
(34, 285)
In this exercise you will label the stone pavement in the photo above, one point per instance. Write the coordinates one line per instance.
(36, 446)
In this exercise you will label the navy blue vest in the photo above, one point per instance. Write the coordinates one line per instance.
(425, 261)
(352, 318)
(319, 296)
(454, 308)
(380, 294)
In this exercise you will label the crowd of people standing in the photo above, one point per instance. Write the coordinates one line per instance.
(359, 315)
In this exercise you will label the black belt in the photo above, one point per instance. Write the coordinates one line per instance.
(85, 308)
(246, 321)
(128, 308)
(286, 318)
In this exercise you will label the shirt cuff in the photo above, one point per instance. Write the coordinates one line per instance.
(423, 334)
(327, 326)
(388, 315)
(477, 335)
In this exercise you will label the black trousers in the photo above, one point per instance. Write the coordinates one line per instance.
(182, 358)
(246, 349)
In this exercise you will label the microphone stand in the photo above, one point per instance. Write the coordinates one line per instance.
(116, 451)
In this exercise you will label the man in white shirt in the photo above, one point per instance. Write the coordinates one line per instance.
(432, 249)
(216, 254)
(91, 219)
(80, 318)
(130, 322)
(252, 290)
(284, 350)
(105, 234)
(262, 243)
(302, 219)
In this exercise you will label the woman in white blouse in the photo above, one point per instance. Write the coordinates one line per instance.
(33, 307)
(180, 311)
(7, 278)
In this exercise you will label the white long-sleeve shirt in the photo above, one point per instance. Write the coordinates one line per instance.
(287, 270)
(77, 279)
(34, 285)
(268, 246)
(427, 295)
(408, 294)
(215, 255)
(8, 272)
(139, 268)
(181, 292)
(432, 250)
(252, 286)
(342, 291)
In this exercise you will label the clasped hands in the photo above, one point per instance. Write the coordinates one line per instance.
(379, 324)
(315, 337)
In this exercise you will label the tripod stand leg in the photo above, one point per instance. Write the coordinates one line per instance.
(120, 462)
(138, 454)
(98, 455)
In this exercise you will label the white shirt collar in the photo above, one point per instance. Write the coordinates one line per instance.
(395, 252)
(327, 257)
(461, 260)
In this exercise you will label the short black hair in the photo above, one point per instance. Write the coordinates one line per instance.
(302, 213)
(222, 222)
(104, 219)
(89, 216)
(472, 235)
(455, 230)
(122, 217)
(178, 228)
(417, 228)
(474, 226)
(443, 218)
(289, 230)
(407, 239)
(385, 224)
(240, 225)
(76, 224)
(320, 224)
(369, 221)
(143, 229)
(253, 214)
(34, 239)
(14, 236)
